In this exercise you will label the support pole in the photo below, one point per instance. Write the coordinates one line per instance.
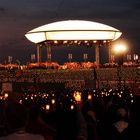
(97, 55)
(38, 53)
(49, 55)
(109, 54)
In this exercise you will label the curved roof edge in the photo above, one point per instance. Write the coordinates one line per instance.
(73, 30)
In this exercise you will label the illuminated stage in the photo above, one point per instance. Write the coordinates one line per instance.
(73, 32)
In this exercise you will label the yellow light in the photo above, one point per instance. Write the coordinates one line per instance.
(6, 95)
(120, 48)
(77, 96)
(53, 101)
(55, 41)
(65, 41)
(47, 107)
(72, 107)
(89, 97)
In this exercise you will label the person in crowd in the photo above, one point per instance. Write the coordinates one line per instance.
(37, 125)
(91, 120)
(16, 119)
(121, 128)
(82, 133)
(3, 129)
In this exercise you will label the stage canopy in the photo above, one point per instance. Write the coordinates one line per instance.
(73, 30)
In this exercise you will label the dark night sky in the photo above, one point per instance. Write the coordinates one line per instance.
(19, 16)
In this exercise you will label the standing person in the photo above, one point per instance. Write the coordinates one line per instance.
(36, 125)
(121, 128)
(82, 133)
(3, 130)
(91, 120)
(16, 119)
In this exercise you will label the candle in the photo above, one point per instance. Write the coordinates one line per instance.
(77, 96)
(47, 107)
(89, 97)
(53, 101)
(6, 95)
(72, 107)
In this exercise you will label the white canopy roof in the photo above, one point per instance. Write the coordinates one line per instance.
(73, 30)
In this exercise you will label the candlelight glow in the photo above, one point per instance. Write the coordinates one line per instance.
(72, 107)
(6, 95)
(47, 107)
(53, 101)
(77, 96)
(89, 97)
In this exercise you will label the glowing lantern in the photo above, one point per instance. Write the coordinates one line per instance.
(47, 107)
(89, 97)
(77, 96)
(53, 101)
(72, 107)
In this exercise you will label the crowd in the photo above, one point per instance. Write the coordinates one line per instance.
(69, 115)
(63, 114)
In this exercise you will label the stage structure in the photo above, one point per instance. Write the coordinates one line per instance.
(71, 32)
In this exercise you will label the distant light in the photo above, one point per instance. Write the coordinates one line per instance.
(77, 96)
(47, 107)
(72, 107)
(89, 96)
(65, 41)
(121, 48)
(53, 101)
(55, 41)
(20, 101)
(6, 95)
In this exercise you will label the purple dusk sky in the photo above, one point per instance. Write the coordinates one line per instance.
(19, 16)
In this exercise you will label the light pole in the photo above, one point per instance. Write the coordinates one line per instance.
(120, 50)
